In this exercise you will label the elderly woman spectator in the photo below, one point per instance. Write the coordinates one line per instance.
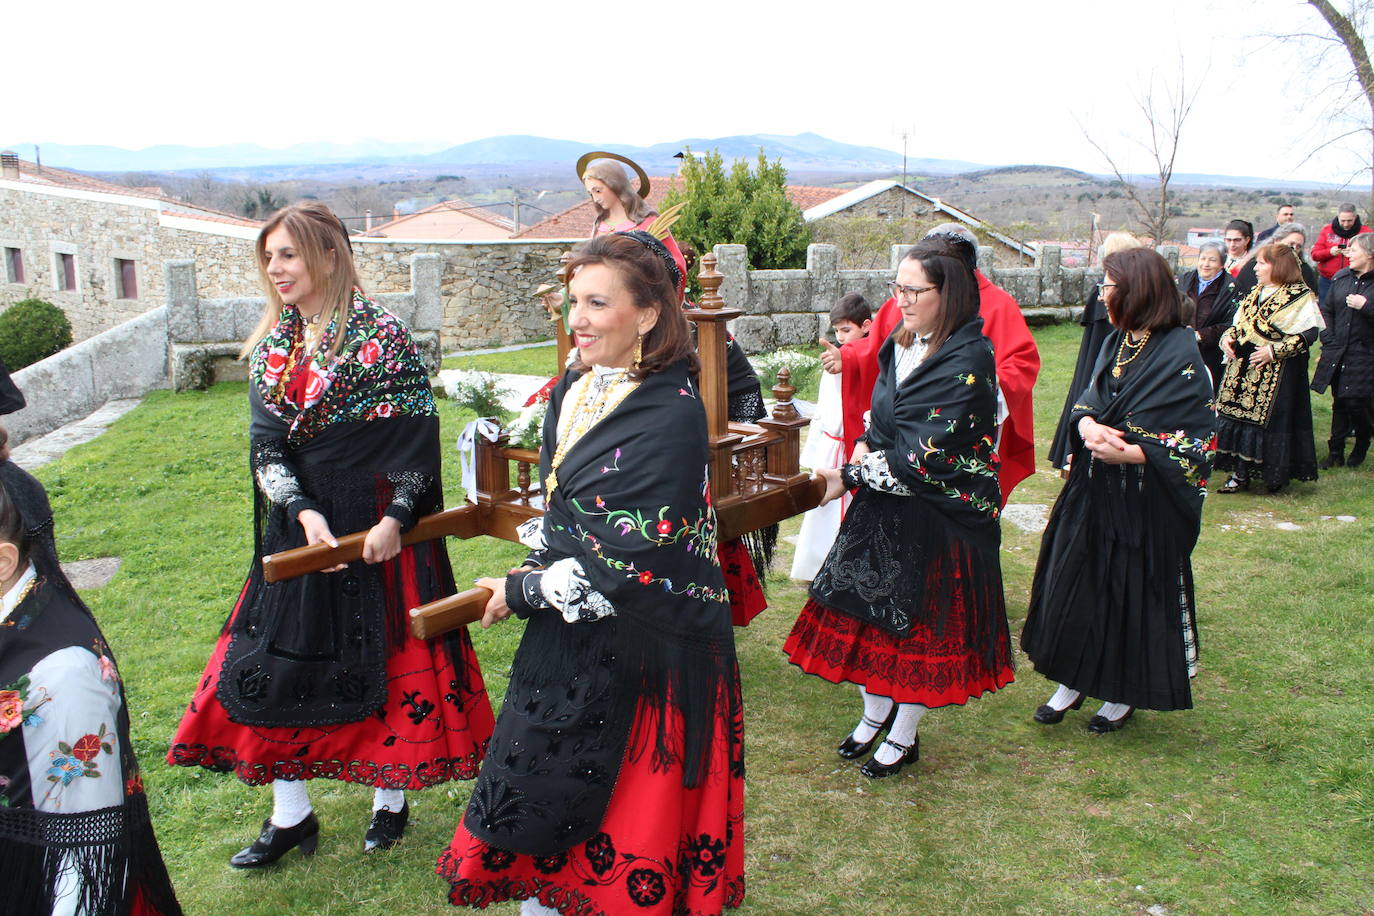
(1347, 361)
(1212, 293)
(1111, 611)
(1265, 411)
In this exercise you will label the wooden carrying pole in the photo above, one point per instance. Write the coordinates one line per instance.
(439, 617)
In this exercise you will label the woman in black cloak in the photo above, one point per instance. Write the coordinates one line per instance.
(615, 778)
(1111, 611)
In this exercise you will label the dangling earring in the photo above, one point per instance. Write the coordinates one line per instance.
(639, 350)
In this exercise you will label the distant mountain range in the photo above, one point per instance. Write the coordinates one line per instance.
(377, 160)
(803, 152)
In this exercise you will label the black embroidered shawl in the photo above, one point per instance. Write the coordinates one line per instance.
(632, 505)
(899, 556)
(1163, 404)
(312, 650)
(114, 849)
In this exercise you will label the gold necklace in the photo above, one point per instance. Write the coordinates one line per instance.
(588, 407)
(23, 594)
(1138, 348)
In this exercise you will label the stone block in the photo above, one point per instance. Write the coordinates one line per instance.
(1051, 275)
(57, 389)
(795, 330)
(130, 360)
(755, 334)
(183, 317)
(732, 261)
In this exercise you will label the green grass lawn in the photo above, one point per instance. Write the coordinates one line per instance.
(1260, 800)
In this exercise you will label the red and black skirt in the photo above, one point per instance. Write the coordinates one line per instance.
(432, 727)
(663, 850)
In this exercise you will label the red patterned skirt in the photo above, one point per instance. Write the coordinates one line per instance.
(747, 600)
(937, 664)
(433, 727)
(663, 850)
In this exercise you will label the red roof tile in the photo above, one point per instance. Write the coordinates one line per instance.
(476, 211)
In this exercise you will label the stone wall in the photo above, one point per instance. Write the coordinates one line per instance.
(791, 307)
(485, 286)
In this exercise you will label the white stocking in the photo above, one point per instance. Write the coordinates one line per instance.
(533, 907)
(1113, 711)
(391, 799)
(1063, 698)
(290, 802)
(903, 732)
(876, 710)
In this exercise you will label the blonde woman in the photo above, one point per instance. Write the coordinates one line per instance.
(319, 677)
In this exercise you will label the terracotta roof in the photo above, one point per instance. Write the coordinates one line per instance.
(61, 178)
(576, 221)
(476, 211)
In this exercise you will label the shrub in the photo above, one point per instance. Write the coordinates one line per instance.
(480, 392)
(31, 330)
(804, 368)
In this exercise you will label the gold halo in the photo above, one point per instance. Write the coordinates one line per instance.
(544, 289)
(587, 159)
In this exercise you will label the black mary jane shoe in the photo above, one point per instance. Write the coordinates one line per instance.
(849, 749)
(1100, 725)
(386, 828)
(1234, 485)
(1048, 715)
(275, 842)
(910, 753)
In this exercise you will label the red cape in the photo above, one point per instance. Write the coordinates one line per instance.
(1018, 365)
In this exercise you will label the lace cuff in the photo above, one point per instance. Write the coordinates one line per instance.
(873, 472)
(563, 587)
(407, 487)
(276, 478)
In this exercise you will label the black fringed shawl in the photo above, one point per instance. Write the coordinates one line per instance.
(1164, 406)
(632, 505)
(113, 849)
(898, 556)
(312, 650)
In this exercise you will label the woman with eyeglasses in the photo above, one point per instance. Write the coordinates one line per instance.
(908, 604)
(1096, 328)
(1238, 236)
(1212, 292)
(1111, 610)
(1264, 406)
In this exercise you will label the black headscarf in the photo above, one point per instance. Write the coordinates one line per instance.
(11, 398)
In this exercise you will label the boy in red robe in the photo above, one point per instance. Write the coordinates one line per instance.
(1018, 365)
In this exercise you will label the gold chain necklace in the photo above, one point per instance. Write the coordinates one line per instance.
(1138, 348)
(592, 401)
(24, 593)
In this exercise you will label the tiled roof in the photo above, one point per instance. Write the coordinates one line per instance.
(576, 221)
(476, 211)
(61, 178)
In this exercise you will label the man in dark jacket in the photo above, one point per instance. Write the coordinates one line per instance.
(1347, 360)
(1332, 244)
(1282, 217)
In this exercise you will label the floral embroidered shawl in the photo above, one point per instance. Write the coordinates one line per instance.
(378, 372)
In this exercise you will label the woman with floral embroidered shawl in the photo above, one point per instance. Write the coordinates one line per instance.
(908, 604)
(1264, 426)
(614, 782)
(1111, 611)
(320, 676)
(75, 835)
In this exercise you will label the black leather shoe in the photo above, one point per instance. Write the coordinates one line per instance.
(875, 770)
(1358, 453)
(275, 842)
(850, 749)
(1234, 485)
(386, 828)
(1048, 715)
(1100, 725)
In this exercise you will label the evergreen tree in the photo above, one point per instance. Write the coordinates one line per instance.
(746, 207)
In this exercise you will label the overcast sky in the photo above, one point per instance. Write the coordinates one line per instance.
(986, 80)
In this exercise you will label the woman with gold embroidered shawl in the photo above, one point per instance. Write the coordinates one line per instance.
(319, 676)
(1264, 406)
(615, 778)
(1111, 612)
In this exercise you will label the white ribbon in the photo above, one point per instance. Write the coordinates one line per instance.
(489, 429)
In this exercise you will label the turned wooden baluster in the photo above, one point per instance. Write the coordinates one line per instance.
(522, 481)
(783, 392)
(710, 316)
